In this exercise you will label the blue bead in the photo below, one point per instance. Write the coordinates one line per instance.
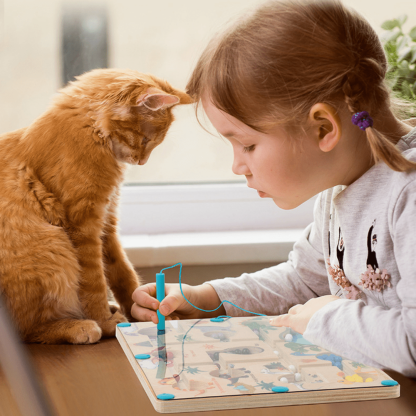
(217, 319)
(123, 324)
(142, 356)
(280, 389)
(389, 383)
(165, 396)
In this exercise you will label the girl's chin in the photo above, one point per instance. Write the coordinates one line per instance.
(285, 204)
(263, 194)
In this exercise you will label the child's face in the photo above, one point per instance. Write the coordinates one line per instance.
(270, 162)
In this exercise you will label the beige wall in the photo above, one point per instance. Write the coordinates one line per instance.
(29, 60)
(163, 37)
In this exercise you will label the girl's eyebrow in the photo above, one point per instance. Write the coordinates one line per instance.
(231, 134)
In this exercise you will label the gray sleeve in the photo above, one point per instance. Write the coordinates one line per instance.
(373, 335)
(274, 290)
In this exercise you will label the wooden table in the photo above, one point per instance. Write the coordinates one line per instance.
(98, 380)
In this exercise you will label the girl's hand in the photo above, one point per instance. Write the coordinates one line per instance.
(298, 316)
(174, 306)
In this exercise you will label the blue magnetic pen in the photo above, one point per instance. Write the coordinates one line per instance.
(160, 295)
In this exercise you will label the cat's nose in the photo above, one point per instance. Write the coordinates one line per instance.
(143, 161)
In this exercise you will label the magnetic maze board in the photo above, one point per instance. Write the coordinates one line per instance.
(242, 362)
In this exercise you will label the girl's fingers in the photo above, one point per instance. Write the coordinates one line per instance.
(145, 296)
(281, 320)
(143, 314)
(171, 303)
(146, 304)
(295, 309)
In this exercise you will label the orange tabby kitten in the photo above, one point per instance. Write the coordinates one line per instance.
(59, 188)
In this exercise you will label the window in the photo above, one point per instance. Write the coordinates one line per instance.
(48, 42)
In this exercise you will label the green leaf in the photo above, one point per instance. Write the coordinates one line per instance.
(404, 41)
(391, 51)
(402, 19)
(410, 78)
(390, 24)
(407, 91)
(413, 57)
(403, 65)
(395, 83)
(412, 33)
(391, 71)
(390, 35)
(403, 69)
(405, 53)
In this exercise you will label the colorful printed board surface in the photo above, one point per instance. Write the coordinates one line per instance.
(240, 363)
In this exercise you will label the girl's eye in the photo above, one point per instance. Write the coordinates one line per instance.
(248, 148)
(145, 140)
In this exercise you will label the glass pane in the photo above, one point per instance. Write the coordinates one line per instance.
(45, 43)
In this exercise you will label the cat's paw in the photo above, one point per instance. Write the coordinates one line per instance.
(114, 307)
(109, 326)
(84, 332)
(126, 311)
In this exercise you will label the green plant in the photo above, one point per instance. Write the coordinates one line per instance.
(400, 48)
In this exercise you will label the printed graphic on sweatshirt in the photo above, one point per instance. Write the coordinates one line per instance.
(373, 278)
(340, 250)
(371, 247)
(329, 235)
(337, 271)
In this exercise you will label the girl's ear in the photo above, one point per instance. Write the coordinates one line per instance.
(155, 99)
(326, 126)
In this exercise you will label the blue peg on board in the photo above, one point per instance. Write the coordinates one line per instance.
(160, 295)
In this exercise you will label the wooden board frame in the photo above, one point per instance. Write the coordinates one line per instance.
(266, 399)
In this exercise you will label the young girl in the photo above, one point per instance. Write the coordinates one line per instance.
(299, 90)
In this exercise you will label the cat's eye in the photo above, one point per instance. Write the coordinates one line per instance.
(145, 140)
(248, 148)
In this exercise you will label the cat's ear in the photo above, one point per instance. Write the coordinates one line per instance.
(155, 99)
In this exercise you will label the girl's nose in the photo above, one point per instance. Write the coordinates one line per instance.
(239, 167)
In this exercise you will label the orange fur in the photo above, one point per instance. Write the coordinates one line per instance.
(59, 189)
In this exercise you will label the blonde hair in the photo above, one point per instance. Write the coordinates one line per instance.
(287, 56)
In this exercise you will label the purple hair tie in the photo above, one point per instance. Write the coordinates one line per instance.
(362, 120)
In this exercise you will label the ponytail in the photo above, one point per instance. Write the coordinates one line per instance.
(358, 93)
(384, 150)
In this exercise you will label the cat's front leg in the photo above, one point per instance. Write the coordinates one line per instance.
(92, 285)
(120, 273)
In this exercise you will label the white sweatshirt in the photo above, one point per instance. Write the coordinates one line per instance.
(368, 231)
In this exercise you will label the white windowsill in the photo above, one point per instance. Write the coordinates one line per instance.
(222, 247)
